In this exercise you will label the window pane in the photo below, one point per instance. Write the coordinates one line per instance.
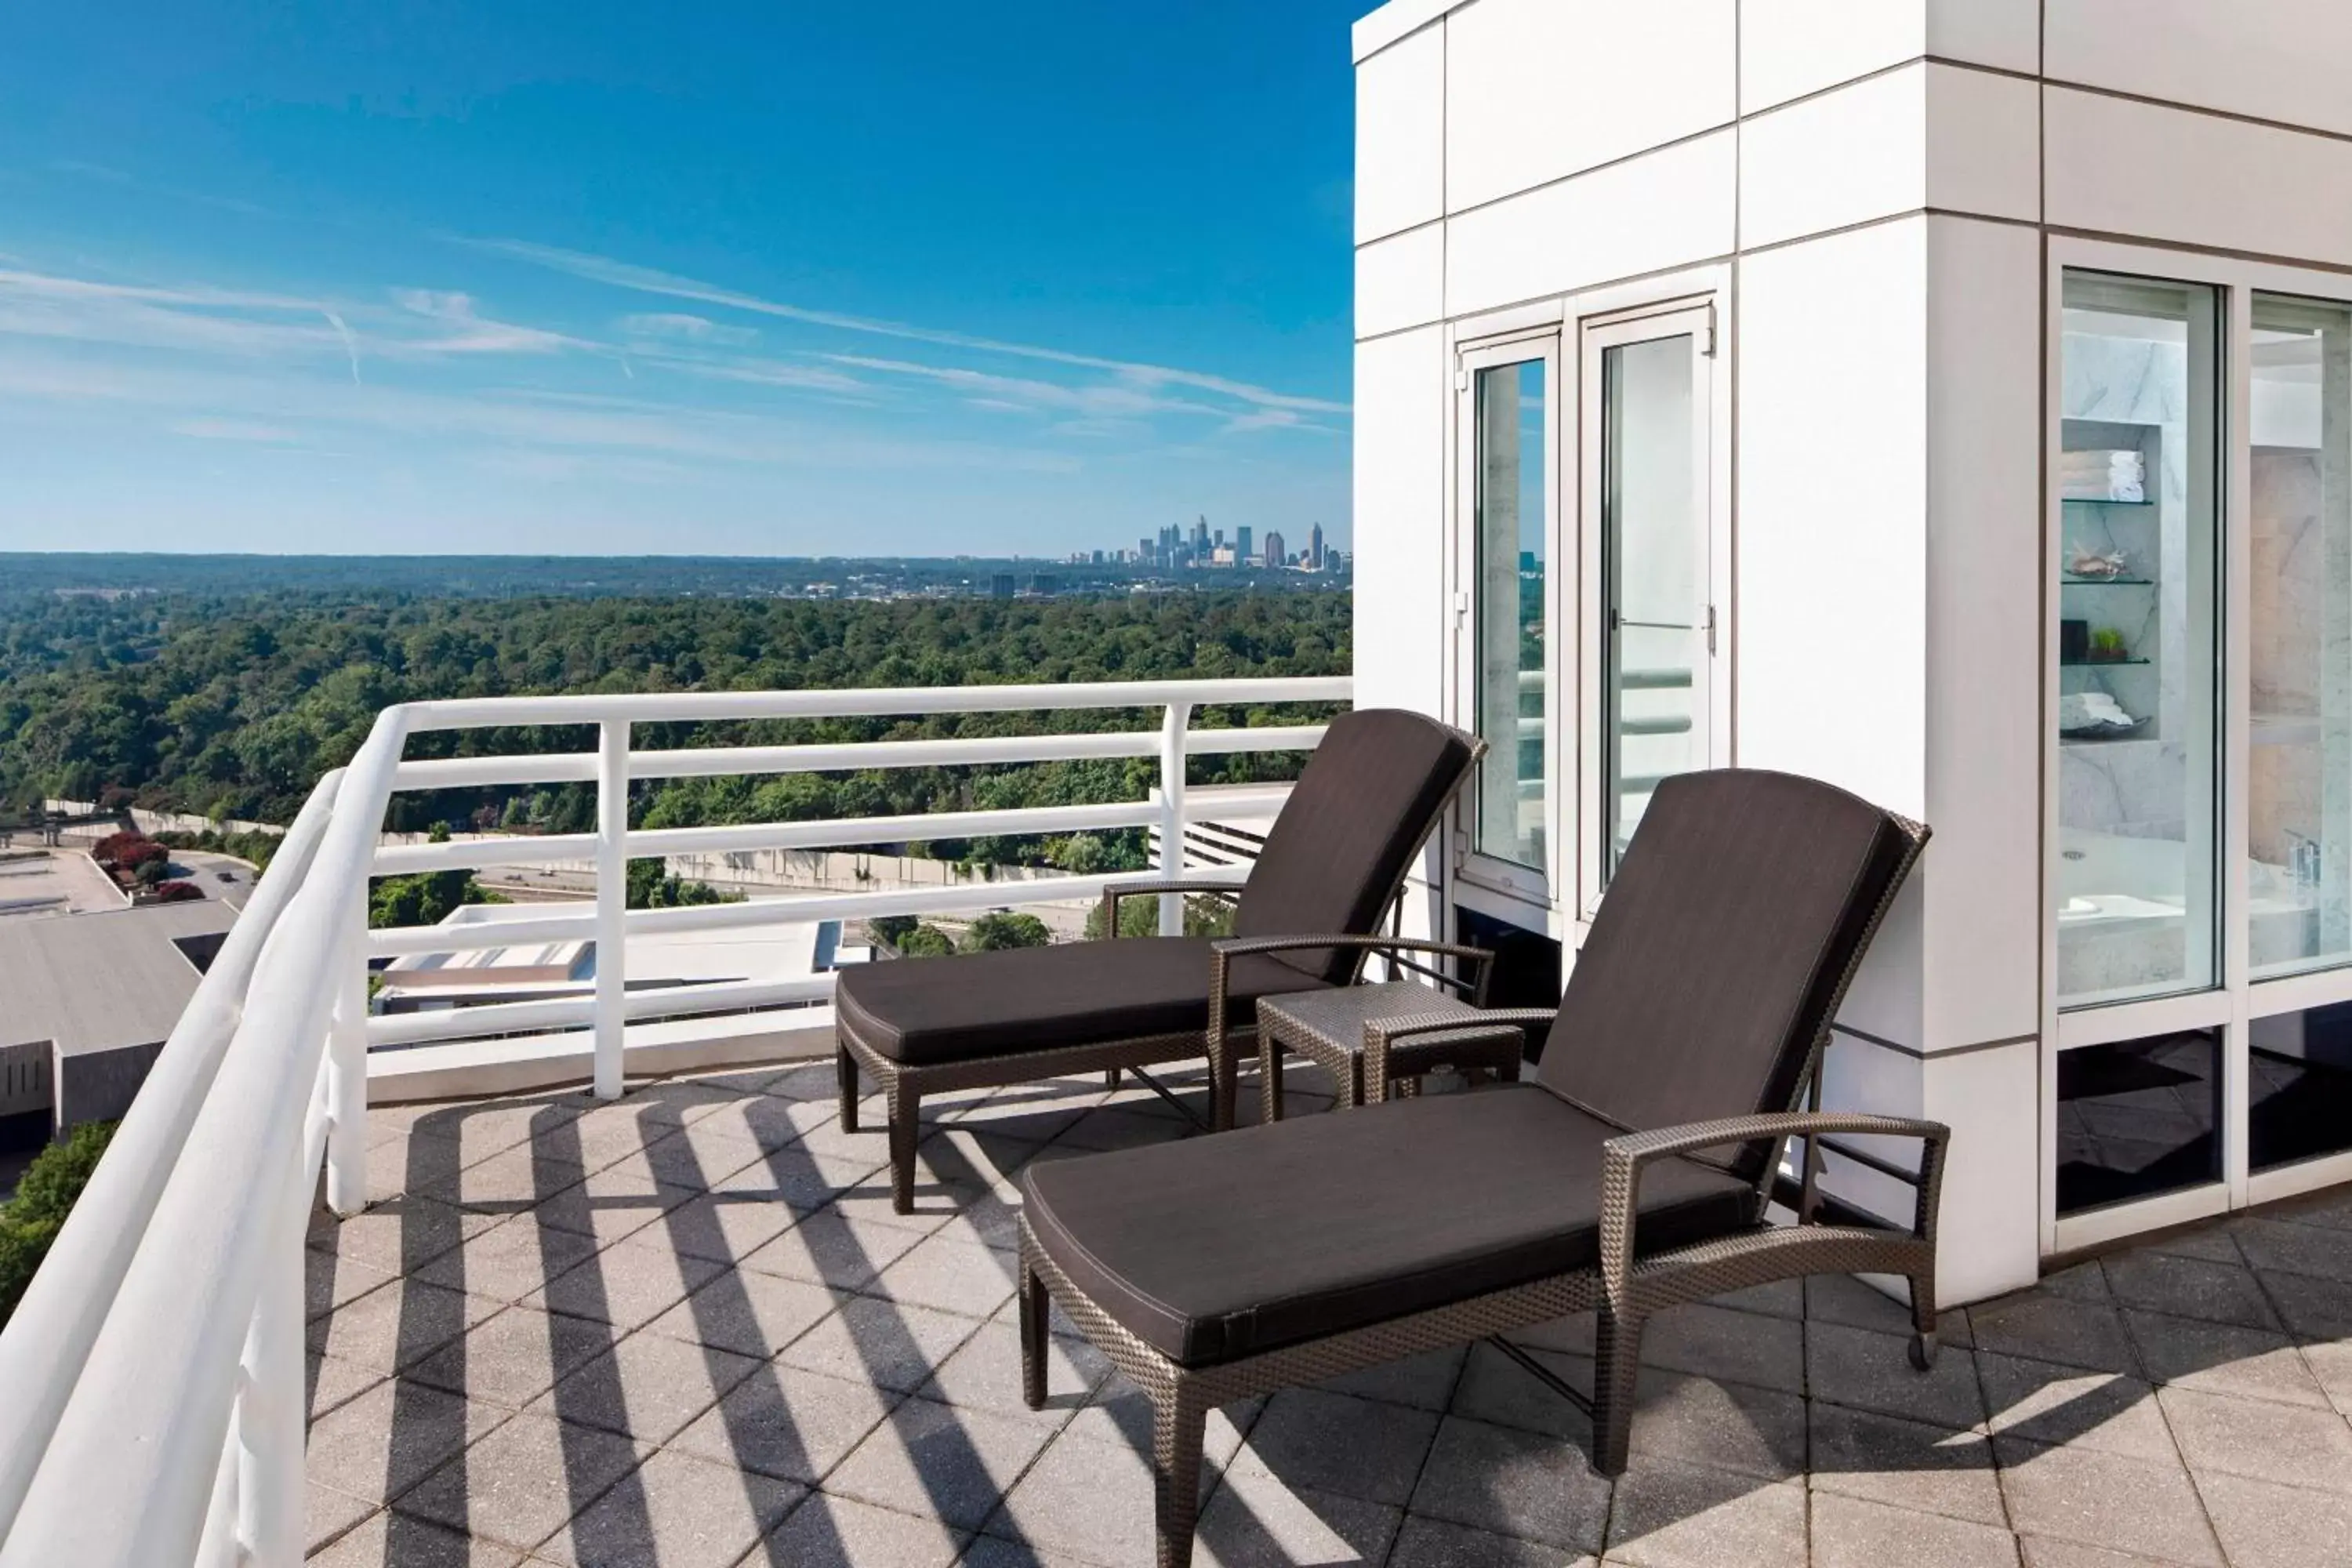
(1653, 557)
(2300, 1084)
(2135, 574)
(1512, 426)
(2299, 779)
(2138, 1119)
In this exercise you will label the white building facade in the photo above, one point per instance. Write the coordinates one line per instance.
(1951, 399)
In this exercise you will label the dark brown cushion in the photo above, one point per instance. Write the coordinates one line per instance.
(976, 1005)
(1718, 952)
(1220, 1247)
(1367, 799)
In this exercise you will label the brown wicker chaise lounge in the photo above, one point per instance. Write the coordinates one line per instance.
(1333, 862)
(1631, 1174)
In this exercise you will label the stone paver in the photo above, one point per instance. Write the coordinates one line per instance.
(686, 1329)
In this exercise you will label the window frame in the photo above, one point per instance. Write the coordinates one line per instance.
(2239, 998)
(1529, 888)
(1698, 317)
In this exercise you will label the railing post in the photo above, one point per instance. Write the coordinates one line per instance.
(347, 1094)
(1178, 720)
(612, 901)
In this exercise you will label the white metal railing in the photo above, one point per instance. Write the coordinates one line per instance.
(153, 1377)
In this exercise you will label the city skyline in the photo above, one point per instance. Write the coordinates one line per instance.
(447, 282)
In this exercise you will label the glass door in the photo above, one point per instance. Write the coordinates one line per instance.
(1650, 557)
(1504, 608)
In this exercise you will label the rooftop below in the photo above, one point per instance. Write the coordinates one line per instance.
(685, 1327)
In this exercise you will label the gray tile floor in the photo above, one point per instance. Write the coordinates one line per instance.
(685, 1327)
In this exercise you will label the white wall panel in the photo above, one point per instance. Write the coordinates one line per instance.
(1401, 135)
(1665, 209)
(1845, 157)
(1924, 135)
(1401, 281)
(1988, 1235)
(1984, 143)
(1983, 628)
(1398, 521)
(2142, 170)
(1831, 659)
(1537, 89)
(2004, 33)
(2288, 61)
(1790, 48)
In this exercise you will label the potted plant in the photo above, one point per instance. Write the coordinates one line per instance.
(2107, 646)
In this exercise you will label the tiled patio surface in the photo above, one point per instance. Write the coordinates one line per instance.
(685, 1327)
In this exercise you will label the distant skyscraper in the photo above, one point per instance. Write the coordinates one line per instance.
(1000, 586)
(1315, 549)
(1275, 558)
(1143, 550)
(1201, 538)
(1242, 545)
(1044, 583)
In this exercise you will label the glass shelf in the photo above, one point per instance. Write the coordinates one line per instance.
(2107, 582)
(2097, 663)
(2101, 500)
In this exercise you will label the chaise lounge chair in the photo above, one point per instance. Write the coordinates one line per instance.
(1332, 864)
(1631, 1175)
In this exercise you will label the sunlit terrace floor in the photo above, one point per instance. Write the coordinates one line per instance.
(685, 1327)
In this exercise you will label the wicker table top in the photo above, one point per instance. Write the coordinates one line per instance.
(1339, 1015)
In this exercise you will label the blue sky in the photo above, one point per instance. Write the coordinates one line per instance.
(761, 278)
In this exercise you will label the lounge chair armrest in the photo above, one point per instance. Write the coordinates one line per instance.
(1228, 948)
(1623, 1157)
(1634, 1149)
(1223, 887)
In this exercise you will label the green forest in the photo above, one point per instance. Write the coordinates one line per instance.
(231, 706)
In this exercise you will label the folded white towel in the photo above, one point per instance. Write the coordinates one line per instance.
(2090, 711)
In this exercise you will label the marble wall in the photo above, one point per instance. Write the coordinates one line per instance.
(2132, 392)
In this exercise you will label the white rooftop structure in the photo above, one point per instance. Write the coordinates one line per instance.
(1951, 399)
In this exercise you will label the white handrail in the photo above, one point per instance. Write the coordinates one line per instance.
(49, 1337)
(152, 1379)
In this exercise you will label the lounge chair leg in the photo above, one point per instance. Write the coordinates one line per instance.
(845, 1067)
(1110, 1080)
(1617, 1363)
(1269, 1079)
(1178, 1422)
(1034, 1311)
(1223, 1086)
(1922, 1321)
(905, 1107)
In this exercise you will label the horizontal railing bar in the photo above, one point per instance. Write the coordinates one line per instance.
(489, 1018)
(686, 707)
(468, 936)
(515, 768)
(828, 833)
(703, 762)
(840, 832)
(473, 854)
(441, 1024)
(473, 935)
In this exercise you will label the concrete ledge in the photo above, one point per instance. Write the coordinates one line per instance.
(475, 1069)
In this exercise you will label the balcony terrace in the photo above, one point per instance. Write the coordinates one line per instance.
(670, 1318)
(685, 1327)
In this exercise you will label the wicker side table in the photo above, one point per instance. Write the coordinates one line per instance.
(1327, 1027)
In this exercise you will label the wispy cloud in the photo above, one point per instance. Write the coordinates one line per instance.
(677, 326)
(648, 280)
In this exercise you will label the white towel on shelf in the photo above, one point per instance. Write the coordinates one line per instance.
(2126, 477)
